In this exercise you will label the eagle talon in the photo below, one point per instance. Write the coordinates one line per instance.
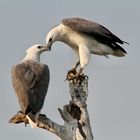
(72, 71)
(80, 77)
(19, 112)
(71, 75)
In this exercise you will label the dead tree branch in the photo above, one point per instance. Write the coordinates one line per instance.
(75, 115)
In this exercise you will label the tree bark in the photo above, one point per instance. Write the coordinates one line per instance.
(75, 115)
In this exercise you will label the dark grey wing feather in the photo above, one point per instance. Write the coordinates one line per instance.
(39, 90)
(30, 77)
(30, 81)
(99, 32)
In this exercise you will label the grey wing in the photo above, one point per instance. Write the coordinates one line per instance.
(30, 84)
(99, 32)
(20, 85)
(39, 90)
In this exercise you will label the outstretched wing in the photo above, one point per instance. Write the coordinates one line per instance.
(99, 32)
(30, 81)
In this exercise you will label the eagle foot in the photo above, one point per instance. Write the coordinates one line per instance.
(19, 118)
(71, 74)
(81, 77)
(74, 75)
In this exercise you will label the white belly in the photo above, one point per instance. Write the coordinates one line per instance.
(75, 39)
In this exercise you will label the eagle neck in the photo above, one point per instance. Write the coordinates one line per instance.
(32, 56)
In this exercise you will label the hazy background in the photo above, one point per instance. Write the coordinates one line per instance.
(114, 84)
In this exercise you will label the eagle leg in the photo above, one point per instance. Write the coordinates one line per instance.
(72, 73)
(76, 65)
(73, 70)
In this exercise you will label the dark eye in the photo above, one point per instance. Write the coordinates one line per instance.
(50, 39)
(39, 47)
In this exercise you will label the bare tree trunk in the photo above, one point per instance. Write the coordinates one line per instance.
(75, 115)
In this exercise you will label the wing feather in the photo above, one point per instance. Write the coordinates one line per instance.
(30, 81)
(99, 32)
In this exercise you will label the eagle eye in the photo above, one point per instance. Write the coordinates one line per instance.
(39, 47)
(50, 39)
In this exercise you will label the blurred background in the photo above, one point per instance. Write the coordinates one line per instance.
(114, 90)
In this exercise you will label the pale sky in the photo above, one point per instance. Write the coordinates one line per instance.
(114, 83)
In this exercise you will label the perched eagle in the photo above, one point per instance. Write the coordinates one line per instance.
(85, 37)
(30, 80)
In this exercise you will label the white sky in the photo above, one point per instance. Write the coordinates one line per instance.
(114, 90)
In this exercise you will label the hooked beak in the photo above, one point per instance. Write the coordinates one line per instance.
(48, 46)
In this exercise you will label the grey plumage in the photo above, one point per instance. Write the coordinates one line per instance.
(30, 80)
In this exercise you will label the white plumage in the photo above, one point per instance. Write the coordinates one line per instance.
(85, 38)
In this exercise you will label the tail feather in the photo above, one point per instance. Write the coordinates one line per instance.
(32, 118)
(126, 42)
(119, 53)
(31, 121)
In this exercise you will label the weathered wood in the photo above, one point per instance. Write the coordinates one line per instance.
(75, 115)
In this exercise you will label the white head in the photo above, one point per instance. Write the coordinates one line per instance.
(33, 53)
(52, 36)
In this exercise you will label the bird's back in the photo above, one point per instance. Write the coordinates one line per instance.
(30, 81)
